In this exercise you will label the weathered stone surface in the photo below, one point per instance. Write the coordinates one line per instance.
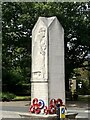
(40, 90)
(39, 53)
(48, 60)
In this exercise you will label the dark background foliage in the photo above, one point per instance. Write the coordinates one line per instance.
(18, 20)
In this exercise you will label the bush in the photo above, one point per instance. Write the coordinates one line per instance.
(75, 96)
(7, 96)
(19, 90)
(68, 95)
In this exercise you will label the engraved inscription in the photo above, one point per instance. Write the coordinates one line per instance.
(37, 74)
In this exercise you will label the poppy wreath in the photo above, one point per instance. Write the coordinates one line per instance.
(32, 109)
(41, 104)
(46, 110)
(35, 101)
(52, 109)
(53, 102)
(59, 102)
(37, 109)
(36, 106)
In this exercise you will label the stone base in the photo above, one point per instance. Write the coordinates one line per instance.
(47, 117)
(38, 116)
(71, 115)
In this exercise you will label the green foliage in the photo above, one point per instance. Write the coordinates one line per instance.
(21, 98)
(84, 98)
(82, 76)
(18, 20)
(85, 90)
(7, 96)
(18, 89)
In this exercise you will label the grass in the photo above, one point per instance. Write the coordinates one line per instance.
(83, 98)
(6, 96)
(21, 98)
(12, 97)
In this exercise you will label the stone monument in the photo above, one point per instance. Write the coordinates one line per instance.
(48, 79)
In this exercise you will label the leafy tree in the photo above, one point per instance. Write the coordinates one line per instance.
(16, 46)
(18, 20)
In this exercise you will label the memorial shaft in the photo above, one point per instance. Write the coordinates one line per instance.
(48, 79)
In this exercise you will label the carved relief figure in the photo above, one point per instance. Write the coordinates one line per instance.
(40, 55)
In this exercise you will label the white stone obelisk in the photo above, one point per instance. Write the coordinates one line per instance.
(48, 79)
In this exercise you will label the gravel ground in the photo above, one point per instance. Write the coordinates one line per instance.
(15, 103)
(11, 114)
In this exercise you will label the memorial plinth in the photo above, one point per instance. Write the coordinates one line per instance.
(47, 117)
(48, 79)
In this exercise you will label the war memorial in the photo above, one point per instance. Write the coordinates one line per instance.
(48, 74)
